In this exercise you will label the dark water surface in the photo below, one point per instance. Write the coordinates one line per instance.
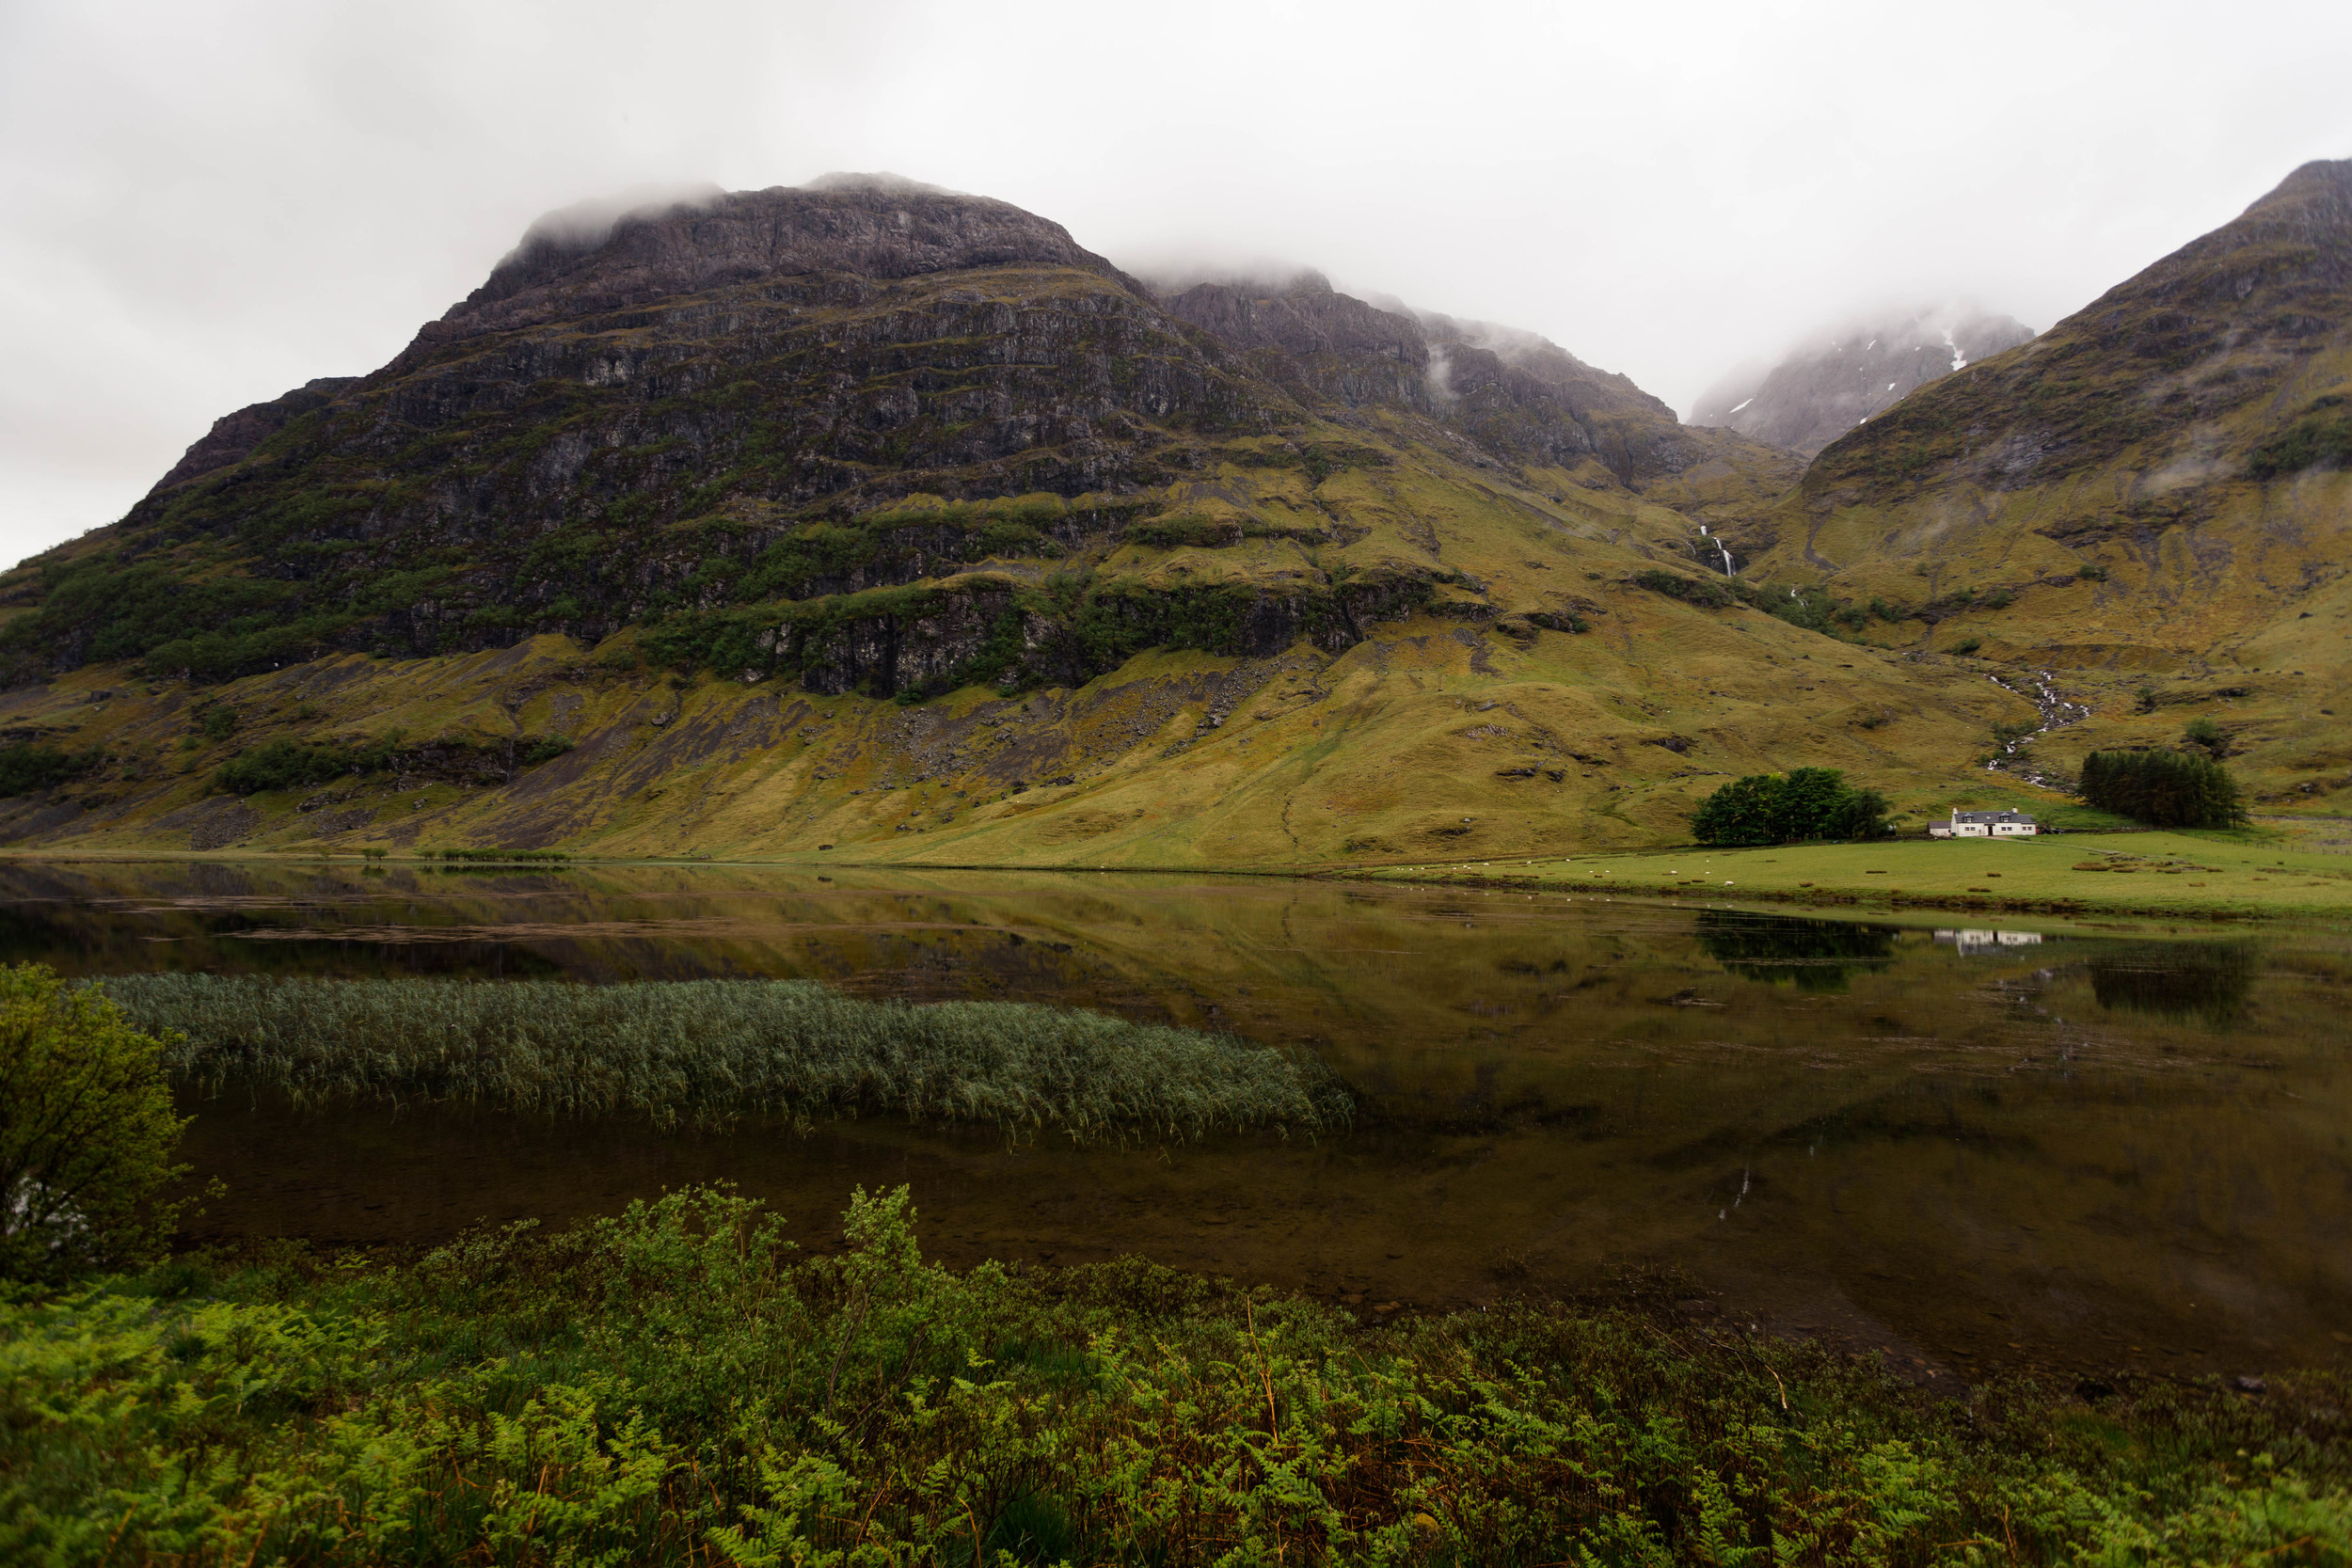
(2077, 1147)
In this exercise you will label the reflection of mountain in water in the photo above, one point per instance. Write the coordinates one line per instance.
(2207, 980)
(1816, 955)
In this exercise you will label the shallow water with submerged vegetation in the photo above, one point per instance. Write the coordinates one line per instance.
(2088, 1150)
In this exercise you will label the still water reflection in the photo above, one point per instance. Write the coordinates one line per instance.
(2078, 1147)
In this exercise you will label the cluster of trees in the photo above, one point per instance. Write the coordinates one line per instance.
(1784, 808)
(25, 767)
(2167, 789)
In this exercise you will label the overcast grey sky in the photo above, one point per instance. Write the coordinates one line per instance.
(202, 204)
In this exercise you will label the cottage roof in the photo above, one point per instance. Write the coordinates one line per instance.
(1990, 816)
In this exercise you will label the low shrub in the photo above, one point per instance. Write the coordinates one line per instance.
(283, 763)
(498, 854)
(24, 767)
(2212, 737)
(1703, 592)
(2323, 436)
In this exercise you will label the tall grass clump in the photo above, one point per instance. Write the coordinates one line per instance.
(705, 1051)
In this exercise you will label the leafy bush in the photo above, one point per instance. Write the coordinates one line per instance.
(2322, 435)
(25, 767)
(531, 855)
(704, 1050)
(1967, 645)
(1701, 592)
(2092, 574)
(2205, 733)
(1169, 534)
(86, 1131)
(678, 1385)
(1780, 603)
(2166, 789)
(283, 763)
(546, 749)
(218, 724)
(1773, 808)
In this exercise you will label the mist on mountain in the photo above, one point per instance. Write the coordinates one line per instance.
(1837, 377)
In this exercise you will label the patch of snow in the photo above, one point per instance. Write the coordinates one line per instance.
(1890, 385)
(1743, 405)
(1960, 360)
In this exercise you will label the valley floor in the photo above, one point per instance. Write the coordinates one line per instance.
(2256, 874)
(2210, 875)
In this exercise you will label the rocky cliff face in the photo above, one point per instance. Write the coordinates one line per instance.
(743, 421)
(233, 437)
(1517, 396)
(874, 226)
(1820, 392)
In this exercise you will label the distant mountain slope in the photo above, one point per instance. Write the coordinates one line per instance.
(733, 414)
(1818, 393)
(2159, 486)
(874, 516)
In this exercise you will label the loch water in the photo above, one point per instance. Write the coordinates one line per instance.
(2029, 1144)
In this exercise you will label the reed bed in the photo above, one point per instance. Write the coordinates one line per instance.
(705, 1052)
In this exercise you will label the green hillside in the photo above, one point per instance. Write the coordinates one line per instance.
(2150, 499)
(877, 517)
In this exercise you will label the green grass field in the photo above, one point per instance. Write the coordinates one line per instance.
(2243, 873)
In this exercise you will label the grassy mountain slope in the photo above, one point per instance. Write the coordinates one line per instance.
(2155, 494)
(872, 516)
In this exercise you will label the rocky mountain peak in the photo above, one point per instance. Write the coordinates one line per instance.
(605, 256)
(1841, 376)
(1305, 318)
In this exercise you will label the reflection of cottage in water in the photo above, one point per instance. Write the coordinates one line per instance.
(1986, 824)
(1986, 941)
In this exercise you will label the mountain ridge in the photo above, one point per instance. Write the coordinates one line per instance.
(967, 545)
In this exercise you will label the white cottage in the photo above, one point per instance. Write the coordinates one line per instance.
(1987, 824)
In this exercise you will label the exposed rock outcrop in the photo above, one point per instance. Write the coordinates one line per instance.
(233, 437)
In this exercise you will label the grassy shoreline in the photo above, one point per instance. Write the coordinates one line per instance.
(2239, 875)
(2189, 874)
(678, 1385)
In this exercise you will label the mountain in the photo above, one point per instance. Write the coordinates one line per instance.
(2155, 492)
(878, 516)
(1842, 377)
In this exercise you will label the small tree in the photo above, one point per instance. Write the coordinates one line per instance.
(87, 1130)
(2205, 733)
